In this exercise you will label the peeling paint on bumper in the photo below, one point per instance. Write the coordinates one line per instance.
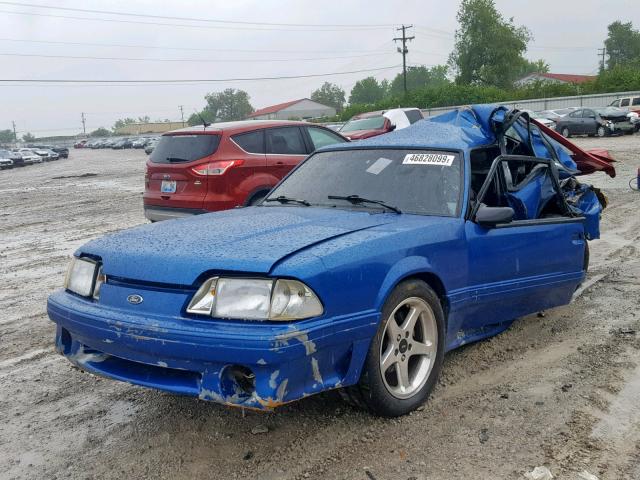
(185, 356)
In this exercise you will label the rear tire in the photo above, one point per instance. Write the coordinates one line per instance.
(406, 354)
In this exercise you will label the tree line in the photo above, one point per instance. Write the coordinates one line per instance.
(487, 58)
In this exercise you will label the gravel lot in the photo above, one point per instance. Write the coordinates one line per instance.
(560, 390)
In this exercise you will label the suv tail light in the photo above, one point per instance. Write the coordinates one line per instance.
(216, 168)
(146, 179)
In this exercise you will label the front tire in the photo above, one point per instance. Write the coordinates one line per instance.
(405, 356)
(601, 132)
(565, 132)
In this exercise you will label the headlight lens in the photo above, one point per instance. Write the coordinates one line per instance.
(255, 299)
(81, 276)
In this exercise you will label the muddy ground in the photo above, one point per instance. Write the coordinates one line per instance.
(560, 390)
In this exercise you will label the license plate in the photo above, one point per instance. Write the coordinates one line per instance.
(168, 186)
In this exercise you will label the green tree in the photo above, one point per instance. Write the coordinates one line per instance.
(145, 119)
(122, 122)
(28, 137)
(100, 132)
(196, 118)
(331, 95)
(367, 90)
(6, 136)
(228, 105)
(527, 67)
(420, 77)
(488, 48)
(623, 45)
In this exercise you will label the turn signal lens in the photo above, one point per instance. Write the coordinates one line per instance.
(202, 302)
(216, 168)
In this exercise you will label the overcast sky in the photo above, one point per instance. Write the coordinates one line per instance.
(566, 34)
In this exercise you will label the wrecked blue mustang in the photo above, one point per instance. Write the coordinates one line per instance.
(357, 272)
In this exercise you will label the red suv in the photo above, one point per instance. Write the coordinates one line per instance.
(204, 169)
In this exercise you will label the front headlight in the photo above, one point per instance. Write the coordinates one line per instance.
(84, 277)
(255, 299)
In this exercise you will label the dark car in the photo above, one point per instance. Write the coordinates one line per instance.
(18, 161)
(62, 151)
(594, 121)
(122, 144)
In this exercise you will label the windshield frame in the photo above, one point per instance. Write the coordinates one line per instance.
(460, 208)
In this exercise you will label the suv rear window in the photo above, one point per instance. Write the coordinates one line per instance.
(414, 115)
(184, 148)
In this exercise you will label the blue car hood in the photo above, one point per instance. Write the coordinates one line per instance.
(250, 240)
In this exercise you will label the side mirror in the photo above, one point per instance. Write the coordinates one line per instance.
(492, 216)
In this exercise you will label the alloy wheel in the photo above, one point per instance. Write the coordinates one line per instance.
(409, 346)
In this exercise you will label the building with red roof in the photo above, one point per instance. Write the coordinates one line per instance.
(302, 109)
(553, 78)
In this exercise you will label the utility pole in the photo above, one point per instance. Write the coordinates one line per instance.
(15, 136)
(84, 125)
(181, 107)
(602, 52)
(404, 50)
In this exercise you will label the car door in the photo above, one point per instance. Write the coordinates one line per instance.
(589, 122)
(532, 263)
(285, 147)
(574, 122)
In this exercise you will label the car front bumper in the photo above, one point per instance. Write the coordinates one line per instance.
(158, 214)
(198, 357)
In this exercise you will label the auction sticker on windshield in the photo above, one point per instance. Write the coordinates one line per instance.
(428, 159)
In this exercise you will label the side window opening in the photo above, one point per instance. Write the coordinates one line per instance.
(321, 138)
(527, 186)
(624, 102)
(636, 101)
(285, 141)
(251, 142)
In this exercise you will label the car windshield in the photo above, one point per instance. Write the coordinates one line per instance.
(423, 182)
(184, 148)
(370, 123)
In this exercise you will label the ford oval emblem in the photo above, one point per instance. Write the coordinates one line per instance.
(135, 299)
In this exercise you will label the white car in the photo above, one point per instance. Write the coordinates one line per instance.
(29, 156)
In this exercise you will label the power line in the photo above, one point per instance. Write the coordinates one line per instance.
(187, 81)
(192, 19)
(195, 49)
(192, 60)
(215, 27)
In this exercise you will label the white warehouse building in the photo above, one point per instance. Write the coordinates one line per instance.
(304, 108)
